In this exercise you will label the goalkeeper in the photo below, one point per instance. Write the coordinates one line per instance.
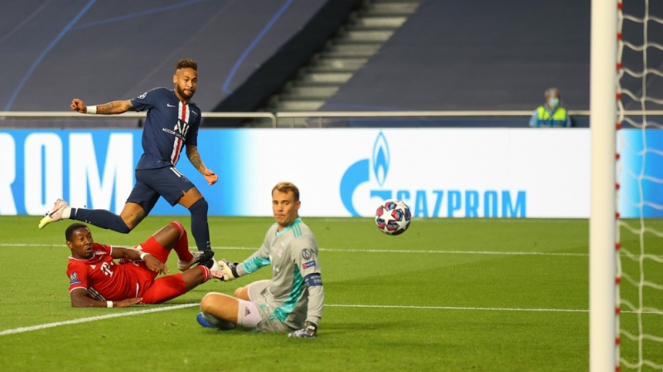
(293, 299)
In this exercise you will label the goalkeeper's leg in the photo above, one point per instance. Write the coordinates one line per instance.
(225, 312)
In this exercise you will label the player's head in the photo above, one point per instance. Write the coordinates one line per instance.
(186, 78)
(552, 97)
(79, 240)
(285, 203)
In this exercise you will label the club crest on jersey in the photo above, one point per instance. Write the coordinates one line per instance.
(280, 253)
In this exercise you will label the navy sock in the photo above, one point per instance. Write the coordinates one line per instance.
(100, 218)
(199, 226)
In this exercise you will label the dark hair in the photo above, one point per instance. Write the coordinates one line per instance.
(186, 63)
(73, 227)
(287, 187)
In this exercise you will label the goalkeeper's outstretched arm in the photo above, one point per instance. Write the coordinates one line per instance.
(252, 264)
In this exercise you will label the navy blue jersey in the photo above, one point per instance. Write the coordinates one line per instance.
(170, 125)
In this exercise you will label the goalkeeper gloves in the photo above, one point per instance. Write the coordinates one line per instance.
(308, 331)
(229, 270)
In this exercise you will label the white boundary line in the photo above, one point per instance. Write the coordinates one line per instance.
(496, 253)
(92, 319)
(177, 307)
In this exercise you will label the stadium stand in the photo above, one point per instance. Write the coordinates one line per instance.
(304, 55)
(476, 55)
(53, 51)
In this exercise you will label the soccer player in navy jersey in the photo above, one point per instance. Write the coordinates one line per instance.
(172, 123)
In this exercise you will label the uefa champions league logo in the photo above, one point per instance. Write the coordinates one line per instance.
(359, 173)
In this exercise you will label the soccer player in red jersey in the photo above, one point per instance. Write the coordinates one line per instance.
(96, 280)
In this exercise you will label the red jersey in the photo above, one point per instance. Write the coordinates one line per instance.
(106, 280)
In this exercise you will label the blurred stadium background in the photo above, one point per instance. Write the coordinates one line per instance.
(427, 101)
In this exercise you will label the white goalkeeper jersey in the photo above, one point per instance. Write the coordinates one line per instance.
(295, 291)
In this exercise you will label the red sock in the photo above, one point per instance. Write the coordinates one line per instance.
(207, 274)
(182, 244)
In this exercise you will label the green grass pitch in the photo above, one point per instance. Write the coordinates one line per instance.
(448, 295)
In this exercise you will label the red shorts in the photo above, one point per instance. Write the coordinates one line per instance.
(154, 291)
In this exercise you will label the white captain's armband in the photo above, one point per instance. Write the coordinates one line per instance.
(313, 280)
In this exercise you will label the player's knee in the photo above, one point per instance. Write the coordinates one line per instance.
(123, 226)
(208, 303)
(238, 292)
(199, 207)
(178, 226)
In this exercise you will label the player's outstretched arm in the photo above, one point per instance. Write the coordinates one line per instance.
(194, 157)
(110, 108)
(79, 299)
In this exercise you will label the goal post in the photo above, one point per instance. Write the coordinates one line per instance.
(603, 346)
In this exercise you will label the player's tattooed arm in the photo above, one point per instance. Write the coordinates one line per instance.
(115, 107)
(194, 157)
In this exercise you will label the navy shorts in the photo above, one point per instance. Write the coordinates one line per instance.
(153, 183)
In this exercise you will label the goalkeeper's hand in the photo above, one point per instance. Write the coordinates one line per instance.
(229, 270)
(308, 331)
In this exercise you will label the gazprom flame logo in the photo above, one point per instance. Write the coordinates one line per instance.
(380, 159)
(359, 172)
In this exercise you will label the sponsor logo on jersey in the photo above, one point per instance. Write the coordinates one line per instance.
(306, 253)
(308, 264)
(247, 312)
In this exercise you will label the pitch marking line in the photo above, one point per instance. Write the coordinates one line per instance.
(496, 253)
(176, 307)
(92, 319)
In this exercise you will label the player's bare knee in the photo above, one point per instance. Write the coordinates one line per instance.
(238, 292)
(207, 304)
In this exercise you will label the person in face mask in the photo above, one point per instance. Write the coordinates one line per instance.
(551, 114)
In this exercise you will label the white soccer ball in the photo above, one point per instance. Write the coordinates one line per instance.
(393, 217)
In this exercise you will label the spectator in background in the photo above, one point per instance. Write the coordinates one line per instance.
(551, 114)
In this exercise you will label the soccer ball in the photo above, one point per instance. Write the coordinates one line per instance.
(393, 217)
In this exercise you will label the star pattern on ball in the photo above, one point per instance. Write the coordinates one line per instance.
(393, 217)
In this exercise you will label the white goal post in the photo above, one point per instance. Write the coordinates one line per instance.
(603, 344)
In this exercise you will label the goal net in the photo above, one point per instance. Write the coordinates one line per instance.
(639, 188)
